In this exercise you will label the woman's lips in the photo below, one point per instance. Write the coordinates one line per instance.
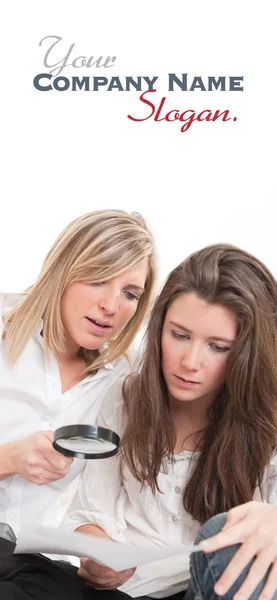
(186, 382)
(99, 326)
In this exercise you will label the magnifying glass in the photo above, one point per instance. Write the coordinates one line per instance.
(86, 441)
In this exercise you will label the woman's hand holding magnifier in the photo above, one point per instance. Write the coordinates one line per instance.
(35, 459)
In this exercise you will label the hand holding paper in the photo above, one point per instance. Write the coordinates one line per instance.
(101, 577)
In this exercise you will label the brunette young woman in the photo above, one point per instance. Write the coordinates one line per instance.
(199, 433)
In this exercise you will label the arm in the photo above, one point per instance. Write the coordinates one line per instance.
(97, 575)
(98, 505)
(93, 530)
(8, 459)
(100, 496)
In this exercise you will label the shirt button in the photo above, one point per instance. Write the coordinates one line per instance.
(177, 489)
(175, 519)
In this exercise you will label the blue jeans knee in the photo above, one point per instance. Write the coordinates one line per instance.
(206, 569)
(211, 527)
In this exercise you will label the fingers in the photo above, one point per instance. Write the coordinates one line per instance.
(55, 459)
(240, 560)
(234, 535)
(49, 435)
(270, 587)
(236, 514)
(107, 580)
(38, 466)
(258, 520)
(58, 464)
(246, 511)
(102, 577)
(42, 477)
(256, 573)
(258, 545)
(95, 569)
(37, 461)
(256, 530)
(128, 574)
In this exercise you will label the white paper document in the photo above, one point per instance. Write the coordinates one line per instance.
(115, 555)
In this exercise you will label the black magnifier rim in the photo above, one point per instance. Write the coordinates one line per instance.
(92, 431)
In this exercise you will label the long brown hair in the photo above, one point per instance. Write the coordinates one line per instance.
(238, 445)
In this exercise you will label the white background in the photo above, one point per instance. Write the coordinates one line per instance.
(65, 153)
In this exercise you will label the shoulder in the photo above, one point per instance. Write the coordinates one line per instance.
(270, 481)
(121, 366)
(8, 301)
(271, 470)
(111, 414)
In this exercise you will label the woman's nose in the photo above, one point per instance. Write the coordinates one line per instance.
(192, 359)
(110, 302)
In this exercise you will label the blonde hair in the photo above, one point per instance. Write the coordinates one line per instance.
(95, 247)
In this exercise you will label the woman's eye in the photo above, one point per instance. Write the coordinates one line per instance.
(179, 336)
(220, 348)
(131, 295)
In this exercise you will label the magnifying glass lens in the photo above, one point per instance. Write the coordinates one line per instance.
(86, 441)
(86, 444)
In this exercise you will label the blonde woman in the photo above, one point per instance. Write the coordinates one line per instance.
(63, 345)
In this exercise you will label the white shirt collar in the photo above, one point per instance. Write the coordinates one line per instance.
(107, 365)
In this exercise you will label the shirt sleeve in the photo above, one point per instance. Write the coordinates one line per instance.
(271, 482)
(100, 495)
(2, 300)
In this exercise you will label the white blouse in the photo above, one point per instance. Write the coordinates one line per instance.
(130, 513)
(31, 400)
